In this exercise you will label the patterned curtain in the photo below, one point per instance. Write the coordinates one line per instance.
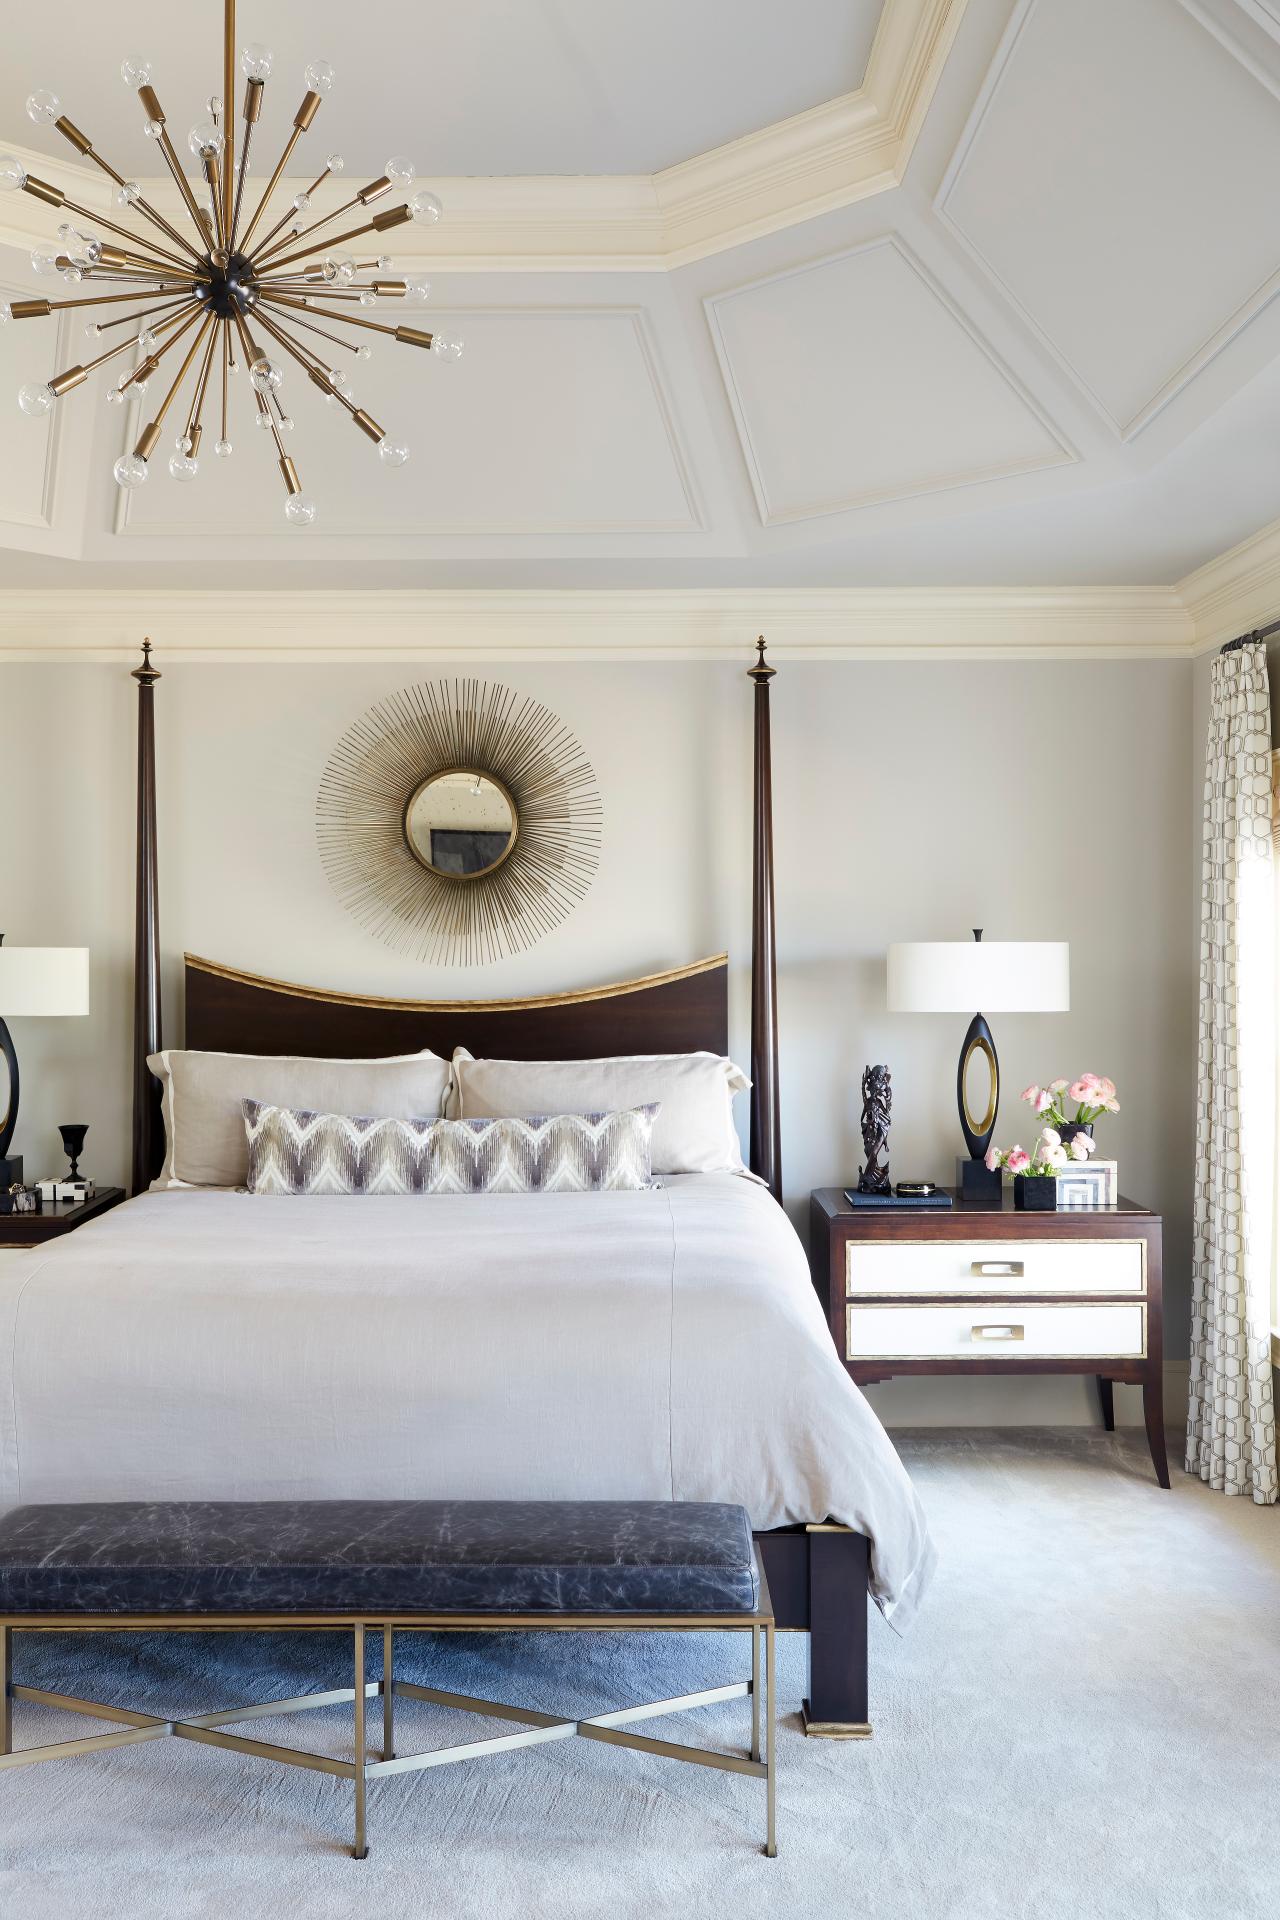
(1231, 1434)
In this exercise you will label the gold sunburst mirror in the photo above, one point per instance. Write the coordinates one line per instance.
(458, 821)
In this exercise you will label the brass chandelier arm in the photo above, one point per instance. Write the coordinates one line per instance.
(145, 368)
(151, 432)
(164, 307)
(172, 162)
(193, 427)
(213, 180)
(73, 376)
(40, 309)
(85, 147)
(138, 239)
(228, 114)
(310, 327)
(407, 336)
(322, 377)
(357, 200)
(381, 223)
(301, 122)
(253, 91)
(225, 331)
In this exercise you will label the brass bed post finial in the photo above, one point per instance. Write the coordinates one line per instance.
(761, 670)
(146, 674)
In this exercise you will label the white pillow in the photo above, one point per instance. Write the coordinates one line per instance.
(202, 1092)
(693, 1131)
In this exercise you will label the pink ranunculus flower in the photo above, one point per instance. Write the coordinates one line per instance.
(1017, 1160)
(1081, 1089)
(1057, 1086)
(1112, 1106)
(1044, 1100)
(1106, 1089)
(1081, 1147)
(1087, 1141)
(991, 1160)
(1030, 1094)
(1055, 1156)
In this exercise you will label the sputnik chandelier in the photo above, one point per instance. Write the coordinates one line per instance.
(232, 300)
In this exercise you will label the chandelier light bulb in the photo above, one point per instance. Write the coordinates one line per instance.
(6, 313)
(265, 376)
(285, 423)
(319, 76)
(147, 340)
(35, 399)
(129, 194)
(114, 397)
(339, 269)
(135, 71)
(368, 298)
(392, 453)
(153, 128)
(43, 107)
(446, 347)
(213, 106)
(205, 140)
(299, 510)
(334, 163)
(256, 61)
(130, 471)
(425, 209)
(223, 449)
(182, 467)
(13, 175)
(364, 351)
(301, 202)
(417, 291)
(400, 172)
(45, 264)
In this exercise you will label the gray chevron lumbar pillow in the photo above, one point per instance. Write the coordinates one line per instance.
(292, 1151)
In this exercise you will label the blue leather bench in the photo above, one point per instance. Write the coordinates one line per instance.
(390, 1566)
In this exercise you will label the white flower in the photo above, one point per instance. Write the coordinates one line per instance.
(1050, 1138)
(1081, 1147)
(1055, 1156)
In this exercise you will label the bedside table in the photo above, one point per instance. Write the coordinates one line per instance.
(18, 1230)
(984, 1288)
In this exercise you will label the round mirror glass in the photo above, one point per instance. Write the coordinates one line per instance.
(461, 823)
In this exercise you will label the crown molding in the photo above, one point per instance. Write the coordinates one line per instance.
(813, 163)
(316, 626)
(1235, 592)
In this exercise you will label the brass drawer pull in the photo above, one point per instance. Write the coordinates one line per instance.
(997, 1333)
(998, 1269)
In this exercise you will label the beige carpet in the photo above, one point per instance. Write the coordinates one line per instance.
(1084, 1725)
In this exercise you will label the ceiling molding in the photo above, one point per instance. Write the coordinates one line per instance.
(1089, 623)
(1235, 592)
(813, 163)
(943, 482)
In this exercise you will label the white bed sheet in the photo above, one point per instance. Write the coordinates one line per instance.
(657, 1345)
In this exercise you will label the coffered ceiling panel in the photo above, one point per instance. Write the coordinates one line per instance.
(1117, 180)
(554, 421)
(489, 87)
(854, 380)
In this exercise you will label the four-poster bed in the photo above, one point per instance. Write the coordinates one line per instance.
(818, 1570)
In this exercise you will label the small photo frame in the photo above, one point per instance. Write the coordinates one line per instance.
(1092, 1183)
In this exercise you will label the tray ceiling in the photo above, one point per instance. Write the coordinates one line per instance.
(979, 292)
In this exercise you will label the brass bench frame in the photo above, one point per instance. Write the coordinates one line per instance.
(538, 1728)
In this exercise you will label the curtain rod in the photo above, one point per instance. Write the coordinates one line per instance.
(1247, 639)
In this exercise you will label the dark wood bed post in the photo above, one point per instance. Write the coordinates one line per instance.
(766, 1146)
(146, 940)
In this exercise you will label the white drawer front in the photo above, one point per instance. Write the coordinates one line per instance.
(991, 1268)
(999, 1330)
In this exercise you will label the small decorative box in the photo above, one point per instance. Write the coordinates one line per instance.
(75, 1190)
(1091, 1183)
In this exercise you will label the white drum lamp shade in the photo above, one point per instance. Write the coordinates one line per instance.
(996, 976)
(40, 983)
(977, 977)
(43, 981)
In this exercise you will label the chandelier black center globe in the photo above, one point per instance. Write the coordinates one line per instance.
(231, 290)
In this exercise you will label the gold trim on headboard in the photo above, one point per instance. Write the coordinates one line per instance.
(610, 992)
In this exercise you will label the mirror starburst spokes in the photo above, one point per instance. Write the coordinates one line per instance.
(230, 302)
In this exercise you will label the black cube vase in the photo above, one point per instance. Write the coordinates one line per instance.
(1035, 1192)
(1070, 1128)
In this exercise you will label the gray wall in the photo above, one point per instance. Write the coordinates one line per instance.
(913, 800)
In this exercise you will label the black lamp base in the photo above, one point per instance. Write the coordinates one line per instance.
(975, 1182)
(10, 1171)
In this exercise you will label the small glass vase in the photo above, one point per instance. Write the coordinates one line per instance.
(1035, 1193)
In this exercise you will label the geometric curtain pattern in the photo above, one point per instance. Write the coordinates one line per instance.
(296, 1152)
(1231, 1432)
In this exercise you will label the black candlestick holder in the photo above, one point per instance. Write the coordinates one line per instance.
(73, 1145)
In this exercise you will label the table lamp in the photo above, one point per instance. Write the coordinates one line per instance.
(1004, 976)
(34, 982)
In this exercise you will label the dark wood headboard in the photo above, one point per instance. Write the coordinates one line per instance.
(677, 1012)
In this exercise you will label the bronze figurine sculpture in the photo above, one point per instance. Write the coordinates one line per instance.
(877, 1101)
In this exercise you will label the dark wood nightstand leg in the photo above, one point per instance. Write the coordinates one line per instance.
(1153, 1408)
(1107, 1401)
